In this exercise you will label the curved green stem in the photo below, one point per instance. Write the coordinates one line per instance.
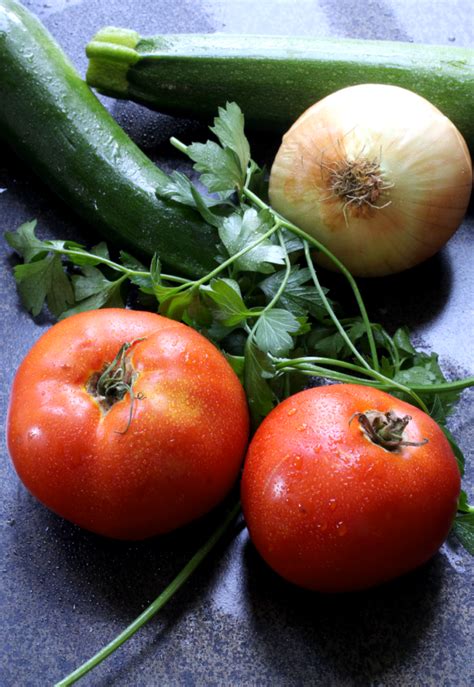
(227, 263)
(114, 265)
(176, 143)
(287, 363)
(330, 310)
(319, 371)
(276, 297)
(441, 387)
(444, 387)
(157, 604)
(341, 267)
(284, 281)
(236, 256)
(381, 381)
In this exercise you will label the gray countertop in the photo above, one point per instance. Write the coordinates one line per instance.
(64, 593)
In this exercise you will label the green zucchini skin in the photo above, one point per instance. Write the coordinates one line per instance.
(52, 119)
(273, 78)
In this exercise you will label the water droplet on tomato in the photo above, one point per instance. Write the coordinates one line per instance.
(341, 528)
(298, 463)
(302, 427)
(291, 412)
(332, 504)
(278, 488)
(34, 432)
(322, 526)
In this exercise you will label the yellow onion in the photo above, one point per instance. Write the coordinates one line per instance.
(377, 174)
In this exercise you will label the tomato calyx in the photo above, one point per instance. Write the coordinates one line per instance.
(115, 381)
(385, 429)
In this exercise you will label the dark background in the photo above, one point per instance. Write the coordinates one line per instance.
(64, 592)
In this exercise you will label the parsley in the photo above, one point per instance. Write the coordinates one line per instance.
(274, 329)
(464, 530)
(226, 295)
(238, 231)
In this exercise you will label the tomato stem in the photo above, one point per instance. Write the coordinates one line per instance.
(385, 429)
(115, 381)
(158, 603)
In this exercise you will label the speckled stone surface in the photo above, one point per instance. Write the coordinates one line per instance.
(64, 592)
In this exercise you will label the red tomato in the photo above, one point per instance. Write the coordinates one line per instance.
(119, 473)
(331, 510)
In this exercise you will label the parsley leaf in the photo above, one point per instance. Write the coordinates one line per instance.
(229, 129)
(223, 167)
(298, 298)
(84, 257)
(25, 243)
(401, 339)
(237, 363)
(464, 530)
(161, 292)
(326, 342)
(44, 280)
(225, 293)
(219, 167)
(424, 370)
(259, 393)
(239, 231)
(463, 502)
(273, 331)
(176, 186)
(143, 281)
(93, 290)
(292, 243)
(458, 454)
(202, 206)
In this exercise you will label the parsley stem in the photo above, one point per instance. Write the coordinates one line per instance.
(114, 265)
(341, 267)
(251, 332)
(179, 145)
(158, 603)
(258, 312)
(326, 373)
(456, 385)
(235, 256)
(330, 310)
(318, 360)
(284, 281)
(305, 366)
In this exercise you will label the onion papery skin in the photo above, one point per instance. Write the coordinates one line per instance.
(411, 207)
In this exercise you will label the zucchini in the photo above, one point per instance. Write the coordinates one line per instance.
(53, 120)
(273, 78)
